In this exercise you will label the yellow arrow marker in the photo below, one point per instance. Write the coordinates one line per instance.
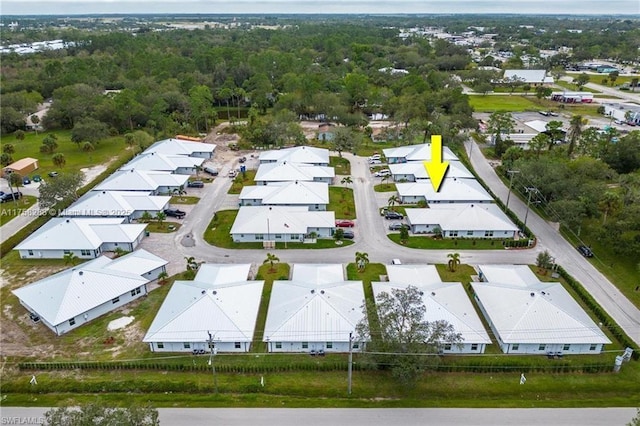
(436, 168)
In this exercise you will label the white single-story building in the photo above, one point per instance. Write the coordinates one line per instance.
(416, 171)
(182, 147)
(313, 195)
(452, 190)
(129, 205)
(444, 301)
(179, 164)
(462, 221)
(568, 97)
(625, 112)
(290, 172)
(75, 296)
(528, 316)
(151, 182)
(297, 154)
(220, 305)
(421, 152)
(281, 224)
(86, 238)
(316, 310)
(527, 76)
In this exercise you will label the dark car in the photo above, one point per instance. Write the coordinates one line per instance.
(396, 226)
(26, 180)
(242, 159)
(10, 196)
(345, 223)
(393, 215)
(36, 178)
(195, 184)
(349, 235)
(585, 251)
(175, 213)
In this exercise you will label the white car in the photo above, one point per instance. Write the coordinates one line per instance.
(375, 157)
(396, 262)
(381, 173)
(374, 161)
(233, 173)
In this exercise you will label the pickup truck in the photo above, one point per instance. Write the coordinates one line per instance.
(175, 213)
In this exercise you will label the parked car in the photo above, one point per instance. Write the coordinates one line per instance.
(396, 262)
(36, 178)
(52, 174)
(375, 157)
(179, 214)
(393, 215)
(349, 235)
(375, 161)
(553, 114)
(381, 173)
(211, 170)
(545, 113)
(233, 173)
(10, 196)
(344, 223)
(396, 226)
(242, 159)
(195, 184)
(585, 251)
(26, 180)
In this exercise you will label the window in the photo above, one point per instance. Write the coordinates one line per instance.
(447, 347)
(305, 345)
(329, 345)
(116, 300)
(469, 233)
(237, 345)
(30, 252)
(453, 233)
(474, 346)
(278, 345)
(541, 347)
(592, 347)
(187, 345)
(67, 251)
(515, 347)
(295, 237)
(566, 347)
(85, 252)
(133, 292)
(72, 321)
(160, 345)
(259, 237)
(488, 233)
(355, 345)
(278, 236)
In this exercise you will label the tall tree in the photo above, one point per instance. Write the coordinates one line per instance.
(362, 260)
(575, 132)
(63, 188)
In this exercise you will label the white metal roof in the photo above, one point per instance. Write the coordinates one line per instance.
(115, 203)
(217, 274)
(62, 233)
(193, 309)
(280, 220)
(286, 171)
(303, 311)
(452, 189)
(180, 147)
(413, 274)
(162, 162)
(317, 273)
(418, 169)
(444, 301)
(538, 313)
(296, 192)
(526, 76)
(297, 154)
(72, 292)
(421, 152)
(462, 217)
(141, 180)
(515, 275)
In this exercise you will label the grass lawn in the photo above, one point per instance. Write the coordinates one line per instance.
(217, 234)
(165, 228)
(385, 187)
(514, 103)
(341, 202)
(573, 87)
(104, 152)
(184, 199)
(425, 242)
(11, 209)
(342, 165)
(241, 180)
(280, 271)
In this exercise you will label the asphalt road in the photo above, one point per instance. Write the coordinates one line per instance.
(366, 417)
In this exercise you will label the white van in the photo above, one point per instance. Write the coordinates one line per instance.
(211, 170)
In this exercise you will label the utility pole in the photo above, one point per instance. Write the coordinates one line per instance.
(211, 363)
(529, 191)
(350, 362)
(511, 173)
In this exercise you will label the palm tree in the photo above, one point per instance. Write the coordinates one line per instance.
(393, 200)
(160, 217)
(59, 160)
(362, 259)
(454, 261)
(609, 204)
(70, 259)
(575, 131)
(192, 265)
(271, 259)
(146, 217)
(346, 180)
(162, 277)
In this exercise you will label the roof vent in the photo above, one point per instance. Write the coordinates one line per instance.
(313, 291)
(433, 293)
(79, 272)
(203, 291)
(321, 291)
(104, 192)
(67, 221)
(543, 293)
(532, 294)
(214, 292)
(471, 205)
(422, 293)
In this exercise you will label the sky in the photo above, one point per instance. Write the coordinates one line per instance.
(75, 7)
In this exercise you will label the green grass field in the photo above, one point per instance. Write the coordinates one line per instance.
(342, 165)
(574, 88)
(241, 180)
(341, 202)
(11, 209)
(511, 103)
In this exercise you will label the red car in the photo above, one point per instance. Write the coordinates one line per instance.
(345, 223)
